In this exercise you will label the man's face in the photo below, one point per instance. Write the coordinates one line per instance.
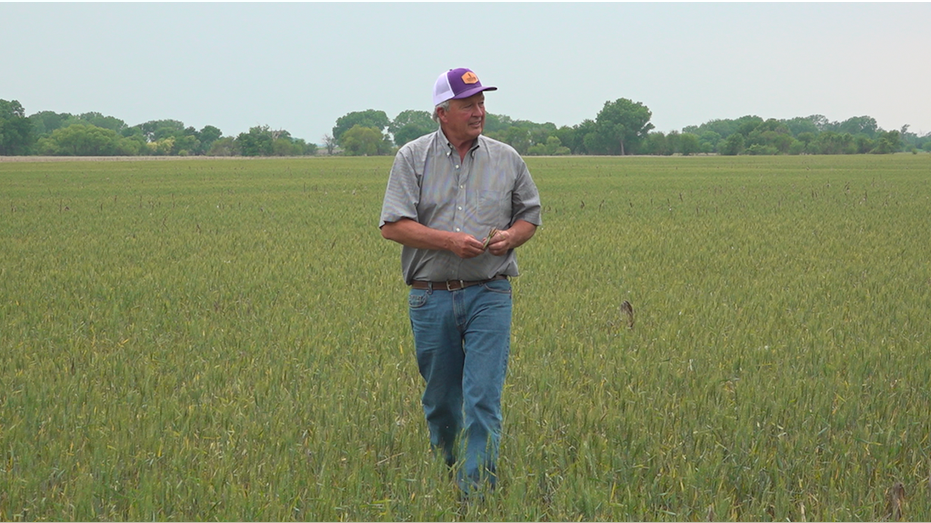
(465, 119)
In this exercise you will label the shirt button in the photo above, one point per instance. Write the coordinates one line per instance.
(457, 229)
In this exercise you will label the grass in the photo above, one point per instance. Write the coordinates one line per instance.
(227, 340)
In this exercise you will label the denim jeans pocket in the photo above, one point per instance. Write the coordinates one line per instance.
(498, 286)
(417, 298)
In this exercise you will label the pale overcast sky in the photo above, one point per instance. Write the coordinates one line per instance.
(300, 66)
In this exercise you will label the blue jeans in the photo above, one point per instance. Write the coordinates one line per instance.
(463, 339)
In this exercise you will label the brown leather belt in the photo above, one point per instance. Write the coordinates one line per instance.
(451, 285)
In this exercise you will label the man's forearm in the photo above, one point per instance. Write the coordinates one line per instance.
(520, 232)
(512, 238)
(413, 234)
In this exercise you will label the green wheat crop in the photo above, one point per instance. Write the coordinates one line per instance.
(228, 340)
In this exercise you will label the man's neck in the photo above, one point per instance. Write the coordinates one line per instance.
(462, 146)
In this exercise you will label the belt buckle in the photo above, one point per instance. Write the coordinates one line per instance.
(460, 282)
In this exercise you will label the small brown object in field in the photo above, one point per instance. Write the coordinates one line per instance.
(895, 499)
(628, 309)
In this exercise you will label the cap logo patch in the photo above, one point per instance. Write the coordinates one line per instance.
(469, 78)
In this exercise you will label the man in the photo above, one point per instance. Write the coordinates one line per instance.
(460, 203)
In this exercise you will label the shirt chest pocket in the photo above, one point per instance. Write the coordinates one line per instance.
(493, 208)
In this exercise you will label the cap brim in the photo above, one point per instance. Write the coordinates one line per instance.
(475, 90)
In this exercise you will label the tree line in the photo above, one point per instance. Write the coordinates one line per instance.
(48, 133)
(622, 127)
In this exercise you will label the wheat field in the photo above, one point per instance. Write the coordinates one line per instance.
(228, 340)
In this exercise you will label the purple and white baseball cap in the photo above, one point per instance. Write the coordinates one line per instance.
(457, 83)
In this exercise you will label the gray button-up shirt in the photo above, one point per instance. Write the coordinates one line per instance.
(490, 188)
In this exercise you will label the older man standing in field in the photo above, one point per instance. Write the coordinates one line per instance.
(460, 203)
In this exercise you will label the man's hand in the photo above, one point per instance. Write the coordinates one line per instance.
(408, 232)
(503, 241)
(412, 234)
(499, 244)
(465, 245)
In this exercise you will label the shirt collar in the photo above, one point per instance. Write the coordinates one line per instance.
(451, 147)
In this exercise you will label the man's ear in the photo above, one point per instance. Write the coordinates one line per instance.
(441, 114)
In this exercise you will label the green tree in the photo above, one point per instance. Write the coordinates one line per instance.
(821, 122)
(732, 145)
(207, 136)
(495, 123)
(540, 133)
(797, 147)
(781, 141)
(154, 130)
(623, 123)
(582, 132)
(859, 125)
(185, 145)
(771, 136)
(596, 142)
(377, 120)
(568, 138)
(804, 124)
(552, 147)
(162, 147)
(656, 144)
(723, 128)
(708, 141)
(689, 144)
(807, 138)
(830, 142)
(888, 142)
(305, 148)
(285, 147)
(283, 144)
(83, 139)
(224, 146)
(910, 140)
(747, 124)
(104, 122)
(523, 135)
(672, 141)
(134, 145)
(16, 131)
(409, 125)
(863, 143)
(365, 141)
(44, 122)
(760, 149)
(516, 137)
(257, 142)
